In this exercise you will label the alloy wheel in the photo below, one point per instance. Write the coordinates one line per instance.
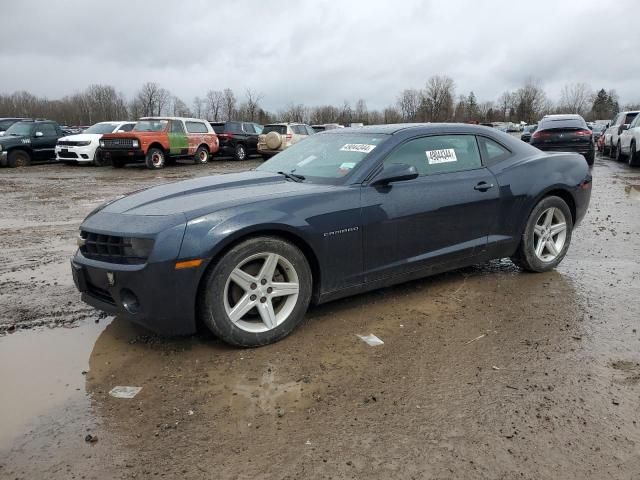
(261, 292)
(549, 234)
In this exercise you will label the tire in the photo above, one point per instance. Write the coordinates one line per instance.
(612, 151)
(257, 322)
(536, 261)
(18, 158)
(619, 154)
(98, 161)
(240, 152)
(155, 159)
(604, 149)
(117, 163)
(201, 156)
(634, 156)
(590, 157)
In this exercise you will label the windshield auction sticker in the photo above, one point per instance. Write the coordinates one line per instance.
(357, 147)
(445, 155)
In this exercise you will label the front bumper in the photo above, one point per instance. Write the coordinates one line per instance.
(130, 155)
(154, 295)
(75, 154)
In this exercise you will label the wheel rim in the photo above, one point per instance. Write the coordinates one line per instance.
(156, 159)
(203, 156)
(550, 234)
(261, 292)
(241, 153)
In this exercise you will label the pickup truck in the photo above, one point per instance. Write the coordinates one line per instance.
(160, 141)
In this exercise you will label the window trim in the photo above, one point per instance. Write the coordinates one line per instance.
(482, 159)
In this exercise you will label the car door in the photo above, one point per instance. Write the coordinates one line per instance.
(178, 141)
(443, 216)
(43, 141)
(251, 137)
(632, 132)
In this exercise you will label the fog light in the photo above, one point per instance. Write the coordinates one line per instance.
(129, 301)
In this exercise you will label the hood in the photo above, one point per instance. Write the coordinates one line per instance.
(203, 195)
(82, 137)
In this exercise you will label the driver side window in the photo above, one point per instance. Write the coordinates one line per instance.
(438, 154)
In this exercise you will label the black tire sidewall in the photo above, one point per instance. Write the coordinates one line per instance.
(197, 156)
(633, 155)
(236, 153)
(528, 257)
(212, 311)
(12, 158)
(149, 159)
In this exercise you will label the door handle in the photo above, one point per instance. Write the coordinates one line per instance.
(483, 186)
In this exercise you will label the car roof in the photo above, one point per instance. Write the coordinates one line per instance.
(186, 119)
(563, 116)
(283, 123)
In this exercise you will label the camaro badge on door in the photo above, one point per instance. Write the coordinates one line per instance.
(111, 279)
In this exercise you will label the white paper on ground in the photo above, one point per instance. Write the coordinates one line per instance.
(371, 339)
(124, 392)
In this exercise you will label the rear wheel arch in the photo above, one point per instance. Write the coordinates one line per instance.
(563, 193)
(282, 234)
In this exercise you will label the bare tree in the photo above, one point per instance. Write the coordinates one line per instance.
(228, 104)
(505, 104)
(437, 102)
(252, 104)
(531, 101)
(179, 108)
(409, 104)
(360, 112)
(214, 104)
(391, 115)
(199, 104)
(576, 98)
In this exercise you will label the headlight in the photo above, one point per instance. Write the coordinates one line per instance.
(137, 247)
(83, 144)
(102, 143)
(135, 144)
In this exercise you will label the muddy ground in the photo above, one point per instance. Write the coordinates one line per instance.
(485, 372)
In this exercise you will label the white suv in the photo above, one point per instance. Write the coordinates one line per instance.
(615, 129)
(629, 144)
(280, 136)
(83, 148)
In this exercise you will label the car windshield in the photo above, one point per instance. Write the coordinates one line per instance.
(598, 127)
(281, 129)
(101, 128)
(150, 125)
(324, 156)
(20, 128)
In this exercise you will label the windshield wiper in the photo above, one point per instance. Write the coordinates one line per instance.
(292, 176)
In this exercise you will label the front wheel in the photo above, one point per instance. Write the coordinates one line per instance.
(546, 237)
(155, 159)
(18, 158)
(257, 293)
(590, 157)
(612, 150)
(634, 156)
(619, 154)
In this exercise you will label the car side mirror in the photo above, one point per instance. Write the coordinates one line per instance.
(38, 134)
(625, 126)
(395, 172)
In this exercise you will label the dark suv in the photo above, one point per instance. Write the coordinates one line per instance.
(239, 139)
(27, 141)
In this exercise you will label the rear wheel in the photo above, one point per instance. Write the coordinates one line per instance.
(18, 158)
(155, 159)
(257, 293)
(240, 152)
(590, 157)
(619, 154)
(202, 155)
(546, 237)
(634, 156)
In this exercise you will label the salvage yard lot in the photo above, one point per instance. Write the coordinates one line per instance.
(486, 372)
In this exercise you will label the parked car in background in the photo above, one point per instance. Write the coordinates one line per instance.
(85, 147)
(564, 133)
(5, 123)
(239, 139)
(29, 141)
(326, 126)
(629, 144)
(597, 129)
(277, 137)
(619, 124)
(600, 143)
(246, 253)
(158, 141)
(527, 131)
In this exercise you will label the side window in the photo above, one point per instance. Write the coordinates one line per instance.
(176, 127)
(630, 117)
(234, 127)
(196, 127)
(492, 152)
(127, 127)
(299, 129)
(438, 154)
(47, 129)
(248, 127)
(309, 130)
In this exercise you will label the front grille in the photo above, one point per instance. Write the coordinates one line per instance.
(62, 154)
(118, 142)
(100, 294)
(108, 248)
(67, 143)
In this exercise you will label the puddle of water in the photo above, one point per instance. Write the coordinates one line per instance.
(633, 191)
(41, 374)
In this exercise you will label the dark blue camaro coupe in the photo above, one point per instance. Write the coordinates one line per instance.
(339, 213)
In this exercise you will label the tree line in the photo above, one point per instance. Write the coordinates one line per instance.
(437, 101)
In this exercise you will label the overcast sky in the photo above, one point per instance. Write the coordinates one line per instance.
(318, 52)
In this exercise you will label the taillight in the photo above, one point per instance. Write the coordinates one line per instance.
(540, 134)
(225, 135)
(583, 133)
(289, 136)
